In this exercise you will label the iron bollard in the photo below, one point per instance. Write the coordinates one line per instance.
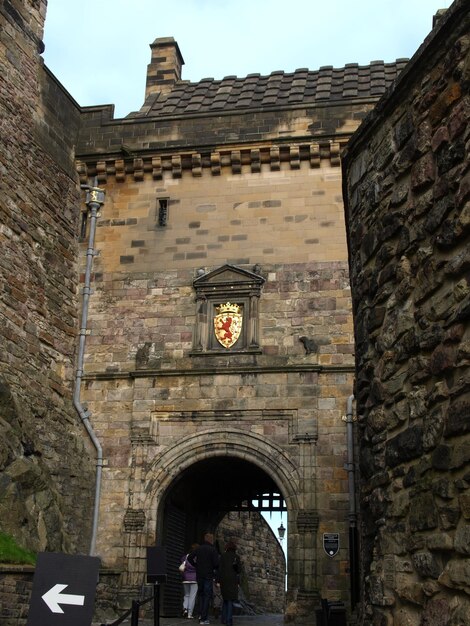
(135, 613)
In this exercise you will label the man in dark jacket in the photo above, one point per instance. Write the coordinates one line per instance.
(205, 559)
(228, 579)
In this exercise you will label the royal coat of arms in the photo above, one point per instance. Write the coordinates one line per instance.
(228, 324)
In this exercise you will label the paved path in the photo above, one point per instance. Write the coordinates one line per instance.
(238, 620)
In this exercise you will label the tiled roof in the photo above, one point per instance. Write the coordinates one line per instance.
(279, 89)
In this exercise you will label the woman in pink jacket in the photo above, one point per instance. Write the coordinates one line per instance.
(189, 585)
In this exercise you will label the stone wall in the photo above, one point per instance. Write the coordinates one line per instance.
(45, 499)
(150, 391)
(191, 189)
(407, 176)
(16, 583)
(264, 565)
(103, 135)
(299, 410)
(289, 223)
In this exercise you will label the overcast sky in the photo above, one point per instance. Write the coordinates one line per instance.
(99, 49)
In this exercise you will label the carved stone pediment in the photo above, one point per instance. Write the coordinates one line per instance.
(222, 289)
(229, 277)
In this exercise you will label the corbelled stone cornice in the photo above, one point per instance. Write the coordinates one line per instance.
(195, 163)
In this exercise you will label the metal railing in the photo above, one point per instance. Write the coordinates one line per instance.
(135, 610)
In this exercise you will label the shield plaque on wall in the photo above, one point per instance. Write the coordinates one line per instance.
(228, 324)
(331, 543)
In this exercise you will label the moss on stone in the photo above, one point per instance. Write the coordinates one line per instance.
(11, 552)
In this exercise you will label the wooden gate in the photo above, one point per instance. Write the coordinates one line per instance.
(174, 544)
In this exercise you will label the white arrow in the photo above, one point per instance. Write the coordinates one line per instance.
(54, 596)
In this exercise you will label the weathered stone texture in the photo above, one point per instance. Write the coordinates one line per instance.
(153, 395)
(44, 498)
(264, 566)
(242, 183)
(407, 213)
(16, 582)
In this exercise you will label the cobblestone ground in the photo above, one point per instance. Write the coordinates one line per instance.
(238, 620)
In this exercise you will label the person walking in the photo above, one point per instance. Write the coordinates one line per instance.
(228, 578)
(205, 559)
(189, 584)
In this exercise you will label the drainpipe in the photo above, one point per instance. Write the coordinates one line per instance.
(94, 199)
(353, 538)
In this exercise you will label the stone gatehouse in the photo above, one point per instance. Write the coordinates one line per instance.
(218, 347)
(223, 202)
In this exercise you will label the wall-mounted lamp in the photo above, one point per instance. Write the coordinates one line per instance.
(281, 531)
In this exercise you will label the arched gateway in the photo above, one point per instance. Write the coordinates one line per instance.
(186, 470)
(239, 466)
(227, 443)
(194, 485)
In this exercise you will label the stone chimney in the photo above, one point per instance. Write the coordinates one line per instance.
(165, 66)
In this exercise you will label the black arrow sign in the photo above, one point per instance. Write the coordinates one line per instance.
(63, 590)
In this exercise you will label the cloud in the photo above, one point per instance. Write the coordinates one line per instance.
(99, 49)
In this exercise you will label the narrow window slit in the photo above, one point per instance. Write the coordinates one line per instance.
(162, 211)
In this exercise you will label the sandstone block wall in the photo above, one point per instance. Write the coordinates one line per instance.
(102, 135)
(143, 379)
(144, 272)
(46, 473)
(408, 200)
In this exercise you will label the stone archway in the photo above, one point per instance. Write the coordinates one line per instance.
(221, 494)
(231, 443)
(231, 460)
(228, 442)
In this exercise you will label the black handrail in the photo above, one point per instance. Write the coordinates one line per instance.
(133, 612)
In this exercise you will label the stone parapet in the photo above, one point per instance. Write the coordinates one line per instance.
(101, 134)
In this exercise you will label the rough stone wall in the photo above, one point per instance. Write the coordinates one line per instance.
(407, 174)
(16, 583)
(45, 497)
(264, 565)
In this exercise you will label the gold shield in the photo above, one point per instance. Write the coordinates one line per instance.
(228, 324)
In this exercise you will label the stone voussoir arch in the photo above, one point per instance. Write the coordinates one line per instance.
(213, 442)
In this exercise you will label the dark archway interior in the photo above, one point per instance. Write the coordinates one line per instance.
(199, 499)
(224, 484)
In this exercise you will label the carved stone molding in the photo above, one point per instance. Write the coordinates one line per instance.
(134, 520)
(240, 287)
(196, 162)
